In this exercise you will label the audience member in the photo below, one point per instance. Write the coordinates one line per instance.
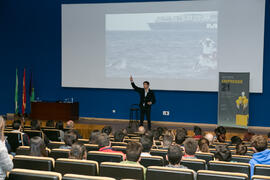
(223, 153)
(236, 140)
(78, 151)
(167, 141)
(69, 139)
(203, 144)
(119, 136)
(180, 136)
(16, 125)
(93, 139)
(104, 144)
(133, 154)
(261, 155)
(141, 130)
(210, 138)
(70, 125)
(174, 157)
(50, 123)
(268, 135)
(35, 125)
(147, 144)
(6, 163)
(60, 126)
(156, 134)
(248, 136)
(198, 132)
(241, 149)
(107, 130)
(191, 147)
(38, 147)
(221, 134)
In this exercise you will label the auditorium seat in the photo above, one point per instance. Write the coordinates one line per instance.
(91, 147)
(55, 144)
(257, 177)
(118, 144)
(215, 175)
(205, 156)
(59, 153)
(194, 164)
(33, 133)
(159, 152)
(15, 139)
(23, 150)
(121, 171)
(239, 158)
(156, 172)
(52, 134)
(34, 163)
(104, 156)
(152, 161)
(83, 177)
(25, 174)
(229, 167)
(83, 141)
(120, 148)
(73, 166)
(261, 169)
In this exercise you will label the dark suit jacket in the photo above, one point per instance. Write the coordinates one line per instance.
(150, 97)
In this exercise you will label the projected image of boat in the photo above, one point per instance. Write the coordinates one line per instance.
(189, 22)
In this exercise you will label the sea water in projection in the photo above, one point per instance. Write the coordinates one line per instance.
(176, 45)
(162, 45)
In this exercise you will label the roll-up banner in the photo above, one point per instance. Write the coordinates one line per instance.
(233, 99)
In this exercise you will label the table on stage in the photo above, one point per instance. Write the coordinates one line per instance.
(55, 111)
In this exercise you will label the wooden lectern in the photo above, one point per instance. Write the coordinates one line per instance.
(55, 111)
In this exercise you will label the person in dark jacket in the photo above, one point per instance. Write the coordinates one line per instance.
(147, 99)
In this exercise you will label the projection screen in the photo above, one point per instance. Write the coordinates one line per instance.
(176, 45)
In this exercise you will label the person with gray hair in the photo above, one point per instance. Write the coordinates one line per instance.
(6, 163)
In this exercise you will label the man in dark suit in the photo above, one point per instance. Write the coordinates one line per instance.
(147, 99)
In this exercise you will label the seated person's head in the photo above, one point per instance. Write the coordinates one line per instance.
(147, 143)
(70, 124)
(50, 123)
(70, 137)
(59, 125)
(167, 141)
(149, 134)
(174, 155)
(94, 136)
(16, 125)
(180, 137)
(107, 130)
(78, 151)
(241, 149)
(119, 136)
(223, 153)
(197, 130)
(35, 125)
(37, 147)
(220, 133)
(210, 138)
(203, 144)
(103, 140)
(133, 151)
(181, 130)
(191, 146)
(160, 130)
(141, 130)
(268, 135)
(156, 134)
(248, 136)
(236, 140)
(259, 143)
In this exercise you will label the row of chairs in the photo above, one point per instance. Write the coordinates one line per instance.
(96, 158)
(115, 171)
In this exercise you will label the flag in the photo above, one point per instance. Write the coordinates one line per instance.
(23, 95)
(16, 93)
(31, 89)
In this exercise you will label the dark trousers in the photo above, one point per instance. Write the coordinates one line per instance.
(145, 111)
